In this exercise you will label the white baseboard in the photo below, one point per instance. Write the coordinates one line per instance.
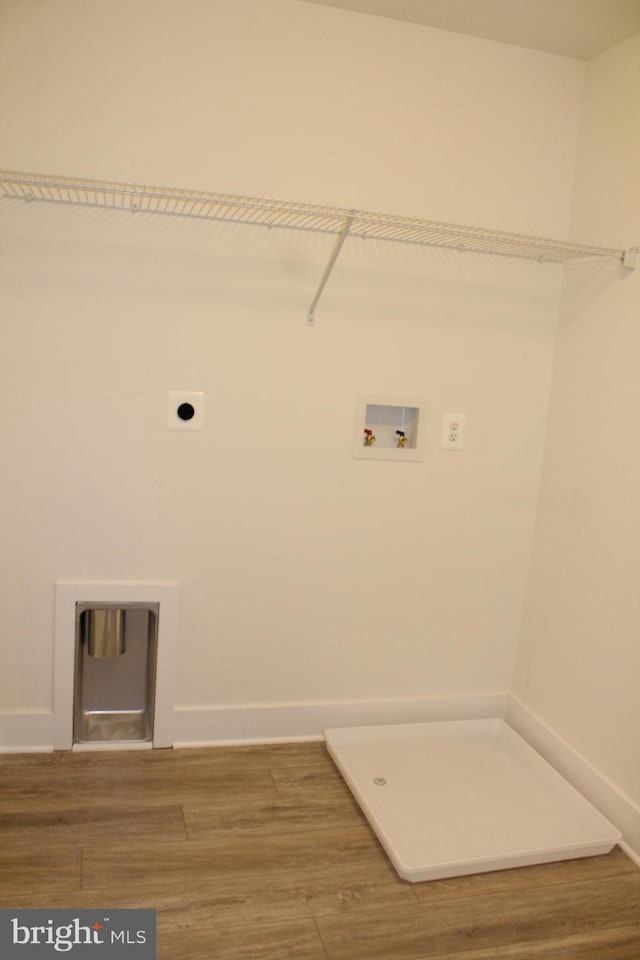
(592, 784)
(268, 723)
(26, 732)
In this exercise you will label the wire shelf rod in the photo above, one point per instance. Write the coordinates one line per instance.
(337, 247)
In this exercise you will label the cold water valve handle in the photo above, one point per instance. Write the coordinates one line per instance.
(402, 439)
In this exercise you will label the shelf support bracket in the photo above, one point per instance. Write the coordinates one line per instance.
(630, 258)
(337, 247)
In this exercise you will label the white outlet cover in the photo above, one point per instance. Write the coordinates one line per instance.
(453, 431)
(178, 408)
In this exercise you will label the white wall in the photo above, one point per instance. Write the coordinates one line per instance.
(306, 575)
(288, 99)
(579, 659)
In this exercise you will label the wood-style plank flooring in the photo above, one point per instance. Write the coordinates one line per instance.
(260, 853)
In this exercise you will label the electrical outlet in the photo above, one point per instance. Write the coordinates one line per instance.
(453, 430)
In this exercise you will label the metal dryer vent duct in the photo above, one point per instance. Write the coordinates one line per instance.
(106, 632)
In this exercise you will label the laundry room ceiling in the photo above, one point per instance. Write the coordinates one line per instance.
(569, 28)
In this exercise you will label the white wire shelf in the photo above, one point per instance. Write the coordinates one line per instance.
(293, 215)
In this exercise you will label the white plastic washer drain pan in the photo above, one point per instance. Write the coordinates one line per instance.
(449, 799)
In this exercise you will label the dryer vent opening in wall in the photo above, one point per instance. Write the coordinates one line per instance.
(115, 666)
(115, 646)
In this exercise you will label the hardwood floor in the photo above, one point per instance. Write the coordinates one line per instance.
(260, 853)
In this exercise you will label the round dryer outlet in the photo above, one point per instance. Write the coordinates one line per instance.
(185, 410)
